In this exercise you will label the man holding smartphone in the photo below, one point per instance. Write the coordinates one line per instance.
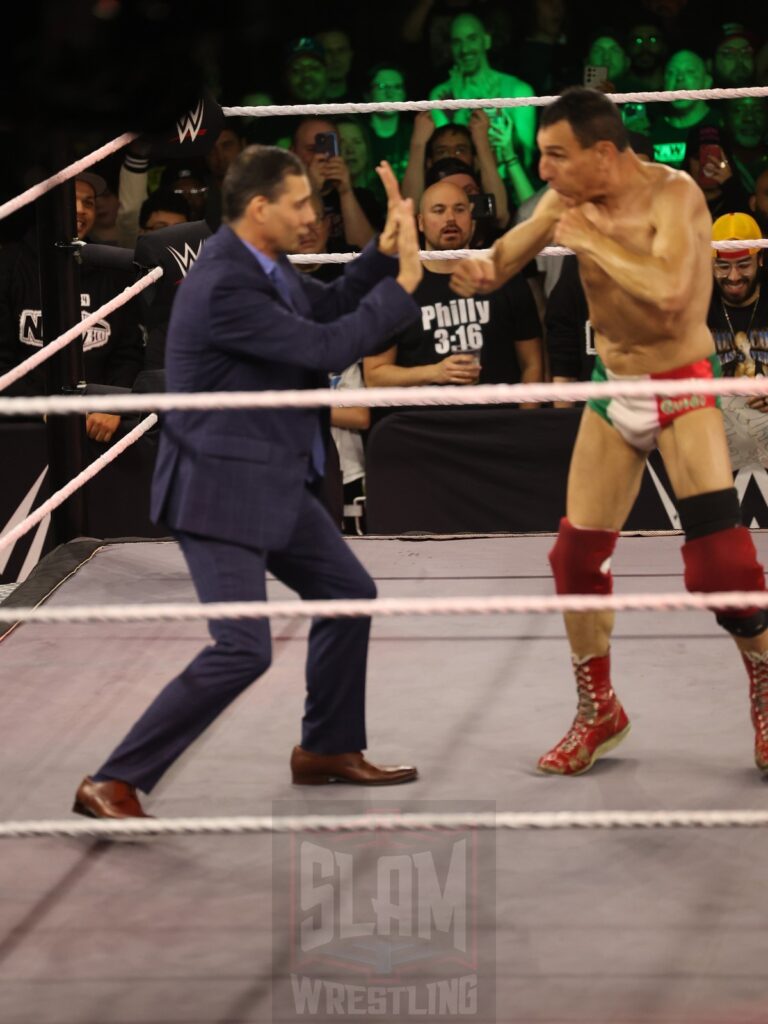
(353, 212)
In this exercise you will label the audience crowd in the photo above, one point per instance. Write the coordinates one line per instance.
(471, 174)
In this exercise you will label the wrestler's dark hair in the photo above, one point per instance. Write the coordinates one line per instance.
(591, 115)
(257, 171)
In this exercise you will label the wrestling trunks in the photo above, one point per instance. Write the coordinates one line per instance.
(641, 420)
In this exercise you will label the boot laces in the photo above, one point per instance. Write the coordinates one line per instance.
(760, 693)
(586, 710)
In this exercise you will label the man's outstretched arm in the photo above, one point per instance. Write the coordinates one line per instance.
(511, 253)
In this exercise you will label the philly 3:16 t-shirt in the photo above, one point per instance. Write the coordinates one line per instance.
(488, 325)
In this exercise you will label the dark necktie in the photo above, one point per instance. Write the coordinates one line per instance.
(317, 454)
(277, 277)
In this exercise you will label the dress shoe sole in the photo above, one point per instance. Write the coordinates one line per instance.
(325, 780)
(604, 748)
(79, 808)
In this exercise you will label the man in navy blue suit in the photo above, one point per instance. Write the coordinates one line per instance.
(237, 487)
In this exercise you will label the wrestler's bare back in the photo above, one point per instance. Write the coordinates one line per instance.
(637, 335)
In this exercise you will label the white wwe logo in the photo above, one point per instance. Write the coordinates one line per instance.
(186, 258)
(191, 123)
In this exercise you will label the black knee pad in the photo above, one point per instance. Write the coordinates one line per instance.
(708, 513)
(719, 555)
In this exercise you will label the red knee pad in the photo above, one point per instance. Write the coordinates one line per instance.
(581, 560)
(725, 560)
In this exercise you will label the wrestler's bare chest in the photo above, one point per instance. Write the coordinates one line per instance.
(614, 312)
(636, 335)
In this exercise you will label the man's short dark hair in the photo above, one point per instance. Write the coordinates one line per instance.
(591, 115)
(448, 129)
(257, 171)
(163, 199)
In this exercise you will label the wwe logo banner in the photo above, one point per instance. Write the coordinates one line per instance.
(186, 257)
(393, 925)
(191, 124)
(193, 134)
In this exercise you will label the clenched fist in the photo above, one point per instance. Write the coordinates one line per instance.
(473, 277)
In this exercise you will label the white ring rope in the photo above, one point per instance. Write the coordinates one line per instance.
(33, 193)
(477, 394)
(387, 607)
(272, 110)
(17, 372)
(729, 245)
(60, 496)
(44, 353)
(403, 106)
(502, 821)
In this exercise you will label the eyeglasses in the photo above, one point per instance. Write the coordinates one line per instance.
(191, 191)
(723, 268)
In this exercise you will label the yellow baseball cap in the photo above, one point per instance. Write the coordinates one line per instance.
(735, 226)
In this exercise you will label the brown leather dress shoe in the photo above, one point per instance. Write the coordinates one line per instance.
(107, 800)
(309, 769)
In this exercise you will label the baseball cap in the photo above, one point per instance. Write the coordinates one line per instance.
(176, 171)
(305, 46)
(735, 226)
(736, 30)
(97, 183)
(449, 165)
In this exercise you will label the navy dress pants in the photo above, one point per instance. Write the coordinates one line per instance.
(317, 564)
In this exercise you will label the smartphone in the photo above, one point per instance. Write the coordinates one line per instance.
(595, 75)
(327, 143)
(709, 153)
(483, 206)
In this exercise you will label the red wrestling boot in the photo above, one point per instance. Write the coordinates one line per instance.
(600, 723)
(757, 670)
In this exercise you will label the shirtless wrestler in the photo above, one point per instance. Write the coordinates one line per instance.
(642, 236)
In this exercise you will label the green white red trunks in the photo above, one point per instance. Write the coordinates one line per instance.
(641, 420)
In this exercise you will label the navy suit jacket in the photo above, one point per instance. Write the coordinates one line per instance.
(239, 475)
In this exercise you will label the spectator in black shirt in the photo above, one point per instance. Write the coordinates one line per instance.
(738, 320)
(738, 312)
(390, 130)
(493, 339)
(353, 211)
(758, 201)
(569, 334)
(711, 165)
(337, 48)
(112, 349)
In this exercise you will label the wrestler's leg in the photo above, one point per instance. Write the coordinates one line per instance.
(719, 553)
(603, 482)
(682, 445)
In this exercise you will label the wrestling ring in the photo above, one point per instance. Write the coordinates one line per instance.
(643, 903)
